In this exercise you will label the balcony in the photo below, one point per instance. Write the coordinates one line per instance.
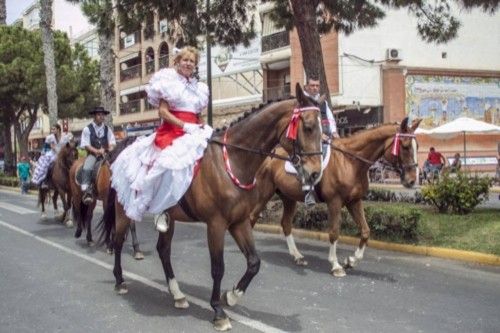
(150, 67)
(275, 41)
(149, 31)
(130, 107)
(275, 93)
(130, 73)
(163, 61)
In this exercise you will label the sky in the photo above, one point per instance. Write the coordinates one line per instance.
(15, 9)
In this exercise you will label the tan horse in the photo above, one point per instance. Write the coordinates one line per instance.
(214, 198)
(344, 183)
(58, 182)
(83, 213)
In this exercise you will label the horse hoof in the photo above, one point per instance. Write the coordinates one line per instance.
(78, 233)
(181, 303)
(121, 289)
(350, 262)
(301, 262)
(43, 216)
(138, 255)
(338, 272)
(222, 324)
(69, 223)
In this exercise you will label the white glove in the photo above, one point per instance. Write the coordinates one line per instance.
(190, 128)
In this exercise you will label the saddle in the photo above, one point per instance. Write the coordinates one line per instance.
(95, 172)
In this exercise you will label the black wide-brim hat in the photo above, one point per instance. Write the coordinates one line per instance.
(98, 109)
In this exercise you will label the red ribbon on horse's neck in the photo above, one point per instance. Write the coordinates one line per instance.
(397, 142)
(293, 126)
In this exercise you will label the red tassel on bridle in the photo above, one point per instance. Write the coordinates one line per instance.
(396, 145)
(293, 127)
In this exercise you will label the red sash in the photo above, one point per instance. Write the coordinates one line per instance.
(167, 133)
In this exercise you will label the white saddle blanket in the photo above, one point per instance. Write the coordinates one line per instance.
(291, 169)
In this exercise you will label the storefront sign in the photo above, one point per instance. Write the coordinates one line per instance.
(364, 117)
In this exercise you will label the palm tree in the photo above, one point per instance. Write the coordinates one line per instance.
(48, 58)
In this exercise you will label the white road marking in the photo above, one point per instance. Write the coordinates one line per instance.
(257, 325)
(16, 209)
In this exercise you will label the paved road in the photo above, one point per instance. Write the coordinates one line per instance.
(50, 282)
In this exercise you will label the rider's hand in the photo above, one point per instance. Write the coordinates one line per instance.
(190, 128)
(325, 138)
(100, 151)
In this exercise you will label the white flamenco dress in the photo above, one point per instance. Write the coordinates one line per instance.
(148, 178)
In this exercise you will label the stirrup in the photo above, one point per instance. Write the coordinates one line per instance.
(309, 199)
(162, 222)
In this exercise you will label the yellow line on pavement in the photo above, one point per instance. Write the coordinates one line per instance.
(468, 256)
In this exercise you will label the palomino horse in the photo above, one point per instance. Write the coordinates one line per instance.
(344, 183)
(221, 196)
(83, 213)
(58, 181)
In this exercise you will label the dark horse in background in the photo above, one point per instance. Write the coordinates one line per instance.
(83, 213)
(214, 198)
(344, 183)
(58, 182)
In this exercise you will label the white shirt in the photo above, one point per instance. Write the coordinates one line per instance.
(180, 93)
(51, 139)
(329, 114)
(99, 130)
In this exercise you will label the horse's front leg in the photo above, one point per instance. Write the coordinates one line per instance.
(67, 210)
(42, 193)
(138, 255)
(215, 234)
(89, 214)
(163, 247)
(358, 214)
(334, 215)
(289, 209)
(54, 203)
(242, 234)
(121, 226)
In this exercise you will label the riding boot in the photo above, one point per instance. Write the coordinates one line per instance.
(162, 222)
(87, 197)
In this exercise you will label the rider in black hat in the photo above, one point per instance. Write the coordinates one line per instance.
(97, 139)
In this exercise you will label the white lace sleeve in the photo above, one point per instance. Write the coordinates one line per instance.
(202, 93)
(164, 85)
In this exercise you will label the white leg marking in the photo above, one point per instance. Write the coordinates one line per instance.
(358, 255)
(292, 248)
(332, 256)
(233, 296)
(176, 292)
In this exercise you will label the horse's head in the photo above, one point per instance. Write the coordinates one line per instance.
(302, 139)
(403, 152)
(68, 154)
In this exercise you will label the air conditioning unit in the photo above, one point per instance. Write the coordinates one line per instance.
(393, 54)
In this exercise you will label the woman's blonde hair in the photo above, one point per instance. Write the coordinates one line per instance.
(187, 50)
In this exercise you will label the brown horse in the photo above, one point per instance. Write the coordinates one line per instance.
(57, 181)
(214, 198)
(83, 213)
(344, 183)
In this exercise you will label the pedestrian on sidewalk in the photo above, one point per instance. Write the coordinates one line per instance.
(24, 173)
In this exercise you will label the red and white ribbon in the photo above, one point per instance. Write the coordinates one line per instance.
(397, 142)
(229, 171)
(291, 132)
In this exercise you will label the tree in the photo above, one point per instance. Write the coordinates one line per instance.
(100, 13)
(21, 61)
(231, 23)
(48, 59)
(3, 13)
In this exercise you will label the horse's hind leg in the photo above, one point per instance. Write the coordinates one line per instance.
(289, 209)
(163, 247)
(42, 193)
(138, 255)
(334, 207)
(358, 214)
(216, 230)
(121, 225)
(54, 203)
(242, 234)
(67, 211)
(89, 210)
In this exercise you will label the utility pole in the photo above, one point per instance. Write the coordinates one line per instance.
(209, 66)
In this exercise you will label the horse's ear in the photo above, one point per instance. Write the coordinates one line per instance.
(415, 124)
(404, 125)
(299, 93)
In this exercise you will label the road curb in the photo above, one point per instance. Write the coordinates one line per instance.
(438, 252)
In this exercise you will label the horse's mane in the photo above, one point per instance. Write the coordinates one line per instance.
(361, 137)
(247, 114)
(120, 146)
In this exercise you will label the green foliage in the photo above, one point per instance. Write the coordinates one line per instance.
(376, 194)
(460, 194)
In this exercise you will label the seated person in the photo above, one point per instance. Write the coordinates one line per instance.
(456, 165)
(434, 163)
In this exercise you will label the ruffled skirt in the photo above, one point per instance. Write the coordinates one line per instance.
(149, 179)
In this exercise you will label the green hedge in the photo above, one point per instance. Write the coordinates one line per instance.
(12, 182)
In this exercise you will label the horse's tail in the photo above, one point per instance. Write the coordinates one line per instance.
(106, 225)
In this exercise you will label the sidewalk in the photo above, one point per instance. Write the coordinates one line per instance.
(393, 186)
